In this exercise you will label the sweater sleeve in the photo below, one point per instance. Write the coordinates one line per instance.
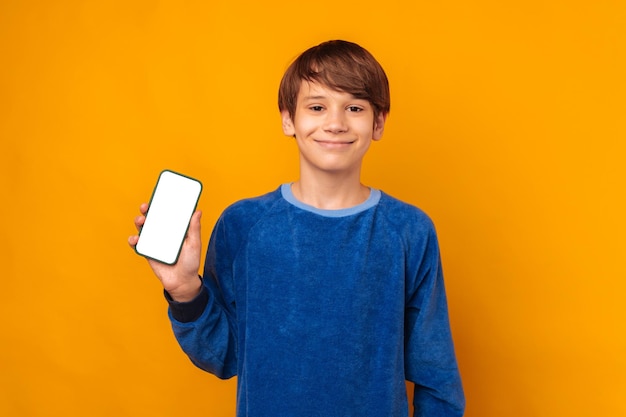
(430, 361)
(189, 310)
(205, 327)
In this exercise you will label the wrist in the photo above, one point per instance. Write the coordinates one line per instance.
(186, 312)
(187, 291)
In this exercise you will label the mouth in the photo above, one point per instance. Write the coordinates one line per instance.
(335, 144)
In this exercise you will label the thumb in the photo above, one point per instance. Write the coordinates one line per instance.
(194, 228)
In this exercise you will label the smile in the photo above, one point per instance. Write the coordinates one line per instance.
(334, 144)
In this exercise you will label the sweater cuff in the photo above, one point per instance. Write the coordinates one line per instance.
(188, 311)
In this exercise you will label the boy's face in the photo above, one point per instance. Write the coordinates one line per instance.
(332, 128)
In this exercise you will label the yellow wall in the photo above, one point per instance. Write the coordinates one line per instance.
(507, 127)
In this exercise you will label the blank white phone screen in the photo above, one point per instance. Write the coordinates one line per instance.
(173, 203)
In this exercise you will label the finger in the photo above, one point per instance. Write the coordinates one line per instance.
(139, 221)
(132, 240)
(143, 208)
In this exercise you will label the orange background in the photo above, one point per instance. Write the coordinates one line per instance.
(507, 127)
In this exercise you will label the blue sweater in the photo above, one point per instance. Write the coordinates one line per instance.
(324, 312)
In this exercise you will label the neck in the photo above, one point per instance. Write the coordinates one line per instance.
(330, 192)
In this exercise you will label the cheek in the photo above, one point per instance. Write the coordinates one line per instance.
(304, 125)
(367, 130)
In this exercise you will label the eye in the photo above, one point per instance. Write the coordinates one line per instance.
(316, 108)
(355, 109)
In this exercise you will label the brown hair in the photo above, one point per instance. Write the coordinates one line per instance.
(340, 65)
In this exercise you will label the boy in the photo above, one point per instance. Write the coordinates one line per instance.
(324, 295)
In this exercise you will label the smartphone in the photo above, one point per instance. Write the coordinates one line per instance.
(172, 204)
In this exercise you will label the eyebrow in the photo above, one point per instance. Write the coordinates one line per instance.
(325, 97)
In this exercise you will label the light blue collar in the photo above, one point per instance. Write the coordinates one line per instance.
(371, 201)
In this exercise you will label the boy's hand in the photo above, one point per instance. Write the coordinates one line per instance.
(180, 280)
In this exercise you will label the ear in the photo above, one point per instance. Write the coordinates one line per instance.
(379, 126)
(288, 127)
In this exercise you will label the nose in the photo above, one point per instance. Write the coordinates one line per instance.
(335, 121)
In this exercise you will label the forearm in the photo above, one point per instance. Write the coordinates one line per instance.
(446, 401)
(205, 332)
